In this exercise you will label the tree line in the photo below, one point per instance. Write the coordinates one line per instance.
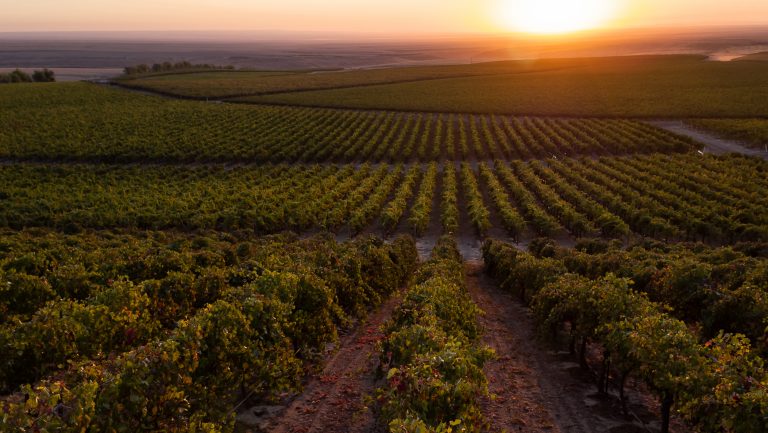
(168, 67)
(19, 76)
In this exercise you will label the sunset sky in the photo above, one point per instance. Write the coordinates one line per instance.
(374, 16)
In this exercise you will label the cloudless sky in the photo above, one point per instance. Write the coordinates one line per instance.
(384, 16)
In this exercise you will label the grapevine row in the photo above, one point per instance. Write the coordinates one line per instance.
(478, 213)
(95, 124)
(251, 333)
(431, 352)
(707, 199)
(394, 211)
(449, 208)
(718, 386)
(513, 222)
(421, 210)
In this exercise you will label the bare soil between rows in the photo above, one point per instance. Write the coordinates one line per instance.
(536, 388)
(533, 387)
(340, 397)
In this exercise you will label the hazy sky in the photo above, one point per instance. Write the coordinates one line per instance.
(386, 16)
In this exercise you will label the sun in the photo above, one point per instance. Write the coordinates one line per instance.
(556, 16)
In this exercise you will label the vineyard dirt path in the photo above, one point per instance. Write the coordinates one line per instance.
(712, 144)
(335, 399)
(534, 388)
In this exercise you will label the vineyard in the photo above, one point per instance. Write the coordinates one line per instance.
(172, 265)
(228, 84)
(640, 306)
(87, 123)
(164, 332)
(717, 200)
(678, 86)
(668, 86)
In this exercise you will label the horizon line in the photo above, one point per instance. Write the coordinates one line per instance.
(608, 29)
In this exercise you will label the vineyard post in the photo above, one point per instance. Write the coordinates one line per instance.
(666, 408)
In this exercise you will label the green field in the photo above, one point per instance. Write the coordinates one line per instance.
(663, 86)
(204, 84)
(235, 83)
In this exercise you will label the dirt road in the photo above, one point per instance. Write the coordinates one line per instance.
(712, 144)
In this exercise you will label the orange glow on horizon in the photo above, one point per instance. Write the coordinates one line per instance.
(550, 17)
(385, 17)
